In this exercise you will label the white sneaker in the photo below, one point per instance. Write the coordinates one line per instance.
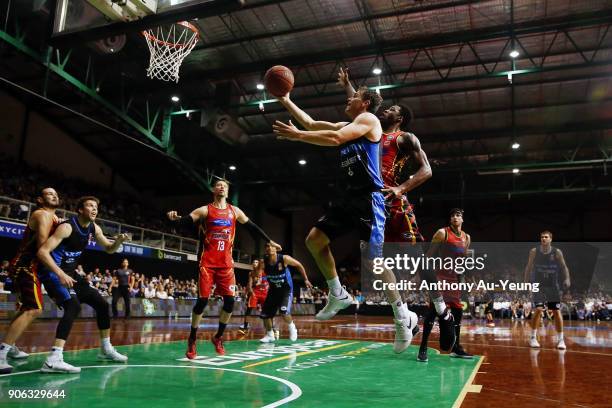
(533, 342)
(5, 367)
(404, 332)
(276, 334)
(561, 345)
(112, 355)
(334, 305)
(56, 364)
(293, 333)
(268, 338)
(14, 352)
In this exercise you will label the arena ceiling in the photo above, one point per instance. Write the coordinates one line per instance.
(448, 60)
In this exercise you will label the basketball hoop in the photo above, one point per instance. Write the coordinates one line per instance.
(168, 47)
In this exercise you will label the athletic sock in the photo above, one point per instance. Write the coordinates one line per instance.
(193, 333)
(220, 330)
(4, 350)
(400, 310)
(534, 333)
(106, 344)
(335, 288)
(559, 336)
(439, 305)
(56, 351)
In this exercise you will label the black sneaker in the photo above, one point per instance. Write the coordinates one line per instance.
(459, 352)
(422, 357)
(446, 321)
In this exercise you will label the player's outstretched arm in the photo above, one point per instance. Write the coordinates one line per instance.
(291, 261)
(361, 126)
(304, 119)
(345, 82)
(253, 228)
(44, 253)
(196, 216)
(109, 246)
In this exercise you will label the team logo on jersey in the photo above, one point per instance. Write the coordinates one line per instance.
(222, 222)
(220, 236)
(390, 137)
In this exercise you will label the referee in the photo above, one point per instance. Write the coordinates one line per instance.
(123, 290)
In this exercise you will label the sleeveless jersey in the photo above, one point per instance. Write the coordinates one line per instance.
(545, 266)
(26, 254)
(393, 163)
(69, 251)
(218, 237)
(278, 273)
(453, 247)
(260, 283)
(360, 164)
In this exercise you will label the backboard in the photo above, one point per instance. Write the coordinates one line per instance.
(89, 20)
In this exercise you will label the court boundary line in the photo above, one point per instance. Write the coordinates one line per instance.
(303, 353)
(296, 391)
(468, 384)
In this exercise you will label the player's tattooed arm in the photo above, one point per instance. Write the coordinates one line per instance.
(410, 146)
(288, 260)
(529, 267)
(564, 269)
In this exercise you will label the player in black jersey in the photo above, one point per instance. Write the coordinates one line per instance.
(545, 266)
(60, 255)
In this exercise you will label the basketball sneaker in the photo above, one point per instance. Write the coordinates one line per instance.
(459, 352)
(533, 343)
(55, 364)
(446, 322)
(334, 305)
(244, 329)
(14, 352)
(111, 354)
(5, 367)
(561, 345)
(218, 343)
(191, 352)
(276, 334)
(422, 356)
(269, 337)
(405, 329)
(293, 333)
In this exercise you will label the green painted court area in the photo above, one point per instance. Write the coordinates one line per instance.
(336, 373)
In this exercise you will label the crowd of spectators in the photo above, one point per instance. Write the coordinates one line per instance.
(22, 182)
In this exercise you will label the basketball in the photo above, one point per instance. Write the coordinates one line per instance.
(279, 80)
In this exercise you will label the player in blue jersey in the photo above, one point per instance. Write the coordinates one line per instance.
(69, 288)
(362, 205)
(280, 293)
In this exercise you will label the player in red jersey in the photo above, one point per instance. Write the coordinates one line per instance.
(218, 223)
(24, 271)
(401, 150)
(448, 242)
(257, 290)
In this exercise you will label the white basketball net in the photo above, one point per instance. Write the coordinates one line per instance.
(168, 47)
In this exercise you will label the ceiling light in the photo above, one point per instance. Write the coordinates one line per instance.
(377, 71)
(232, 167)
(302, 162)
(516, 145)
(175, 98)
(514, 54)
(515, 171)
(260, 87)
